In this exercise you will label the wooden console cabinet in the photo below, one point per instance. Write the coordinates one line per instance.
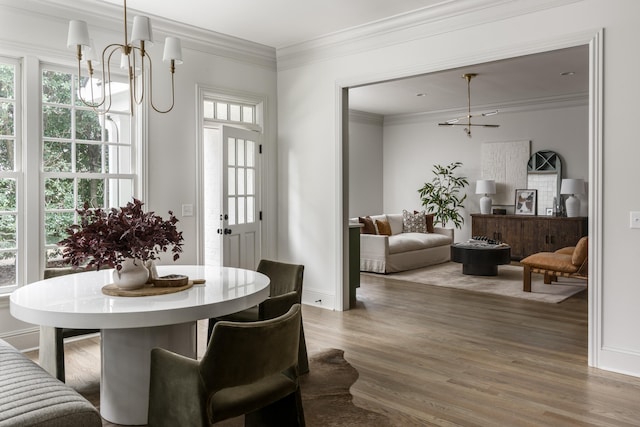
(530, 234)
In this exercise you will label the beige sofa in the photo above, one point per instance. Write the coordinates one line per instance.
(403, 251)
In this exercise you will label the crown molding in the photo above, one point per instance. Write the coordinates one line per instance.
(107, 16)
(444, 17)
(553, 102)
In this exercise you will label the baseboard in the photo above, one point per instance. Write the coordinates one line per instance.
(318, 299)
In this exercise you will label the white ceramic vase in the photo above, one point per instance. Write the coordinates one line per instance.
(133, 274)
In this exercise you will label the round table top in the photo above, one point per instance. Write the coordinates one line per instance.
(77, 301)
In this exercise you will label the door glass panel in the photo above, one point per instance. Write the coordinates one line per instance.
(251, 182)
(241, 188)
(231, 156)
(251, 155)
(251, 209)
(231, 181)
(241, 161)
(241, 210)
(232, 210)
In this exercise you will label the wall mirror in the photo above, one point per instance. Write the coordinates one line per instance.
(544, 173)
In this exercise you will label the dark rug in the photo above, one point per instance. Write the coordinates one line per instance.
(325, 395)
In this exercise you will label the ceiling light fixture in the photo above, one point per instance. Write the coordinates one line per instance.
(468, 124)
(133, 58)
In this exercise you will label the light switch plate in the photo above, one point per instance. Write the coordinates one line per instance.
(634, 219)
(187, 210)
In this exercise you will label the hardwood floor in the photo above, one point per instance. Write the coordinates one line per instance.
(437, 356)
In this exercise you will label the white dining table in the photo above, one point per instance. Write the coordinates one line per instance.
(131, 326)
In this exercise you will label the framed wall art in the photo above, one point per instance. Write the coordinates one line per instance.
(526, 202)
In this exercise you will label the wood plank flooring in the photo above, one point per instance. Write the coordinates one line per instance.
(431, 356)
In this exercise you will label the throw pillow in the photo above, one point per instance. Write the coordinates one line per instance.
(368, 228)
(413, 223)
(383, 228)
(429, 219)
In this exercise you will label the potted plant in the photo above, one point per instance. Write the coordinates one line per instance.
(124, 239)
(442, 196)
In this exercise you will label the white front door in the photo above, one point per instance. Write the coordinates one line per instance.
(240, 217)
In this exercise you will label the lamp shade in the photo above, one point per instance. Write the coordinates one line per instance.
(572, 186)
(486, 186)
(78, 34)
(142, 30)
(172, 50)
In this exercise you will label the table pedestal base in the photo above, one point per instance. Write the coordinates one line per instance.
(126, 358)
(480, 269)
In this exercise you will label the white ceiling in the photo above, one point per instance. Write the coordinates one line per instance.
(276, 23)
(282, 23)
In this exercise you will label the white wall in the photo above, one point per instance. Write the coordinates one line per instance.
(413, 145)
(310, 176)
(39, 29)
(365, 164)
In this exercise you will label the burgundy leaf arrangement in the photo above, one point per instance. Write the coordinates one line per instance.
(108, 237)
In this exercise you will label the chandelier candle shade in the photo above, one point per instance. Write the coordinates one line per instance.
(485, 186)
(572, 187)
(133, 57)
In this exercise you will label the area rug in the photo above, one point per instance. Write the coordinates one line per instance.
(508, 282)
(325, 395)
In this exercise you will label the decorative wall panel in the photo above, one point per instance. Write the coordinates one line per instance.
(506, 164)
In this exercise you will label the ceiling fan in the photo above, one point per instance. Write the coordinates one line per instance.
(468, 124)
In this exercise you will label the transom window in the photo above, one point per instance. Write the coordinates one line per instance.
(230, 111)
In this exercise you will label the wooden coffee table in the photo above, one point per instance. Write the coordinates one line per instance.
(480, 259)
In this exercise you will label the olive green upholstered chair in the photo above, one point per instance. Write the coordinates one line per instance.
(285, 289)
(249, 368)
(61, 333)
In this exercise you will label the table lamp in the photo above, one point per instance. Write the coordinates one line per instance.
(485, 186)
(572, 187)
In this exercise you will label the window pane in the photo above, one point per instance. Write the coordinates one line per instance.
(91, 191)
(251, 181)
(7, 194)
(221, 111)
(56, 225)
(7, 81)
(247, 114)
(232, 181)
(117, 159)
(56, 122)
(56, 156)
(241, 210)
(208, 110)
(56, 87)
(231, 207)
(58, 193)
(251, 202)
(241, 188)
(235, 113)
(88, 126)
(7, 154)
(241, 152)
(120, 192)
(231, 152)
(6, 119)
(54, 258)
(88, 158)
(7, 268)
(251, 153)
(7, 231)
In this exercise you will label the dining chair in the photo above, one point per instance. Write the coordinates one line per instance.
(285, 289)
(61, 333)
(249, 368)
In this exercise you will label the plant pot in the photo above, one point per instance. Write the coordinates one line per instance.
(133, 275)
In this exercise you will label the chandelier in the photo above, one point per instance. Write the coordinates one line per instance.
(134, 58)
(468, 124)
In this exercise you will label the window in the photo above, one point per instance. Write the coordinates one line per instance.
(230, 112)
(9, 172)
(87, 157)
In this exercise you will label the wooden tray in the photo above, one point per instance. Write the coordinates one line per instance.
(147, 290)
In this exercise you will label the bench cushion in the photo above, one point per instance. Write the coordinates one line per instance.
(29, 396)
(405, 242)
(551, 261)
